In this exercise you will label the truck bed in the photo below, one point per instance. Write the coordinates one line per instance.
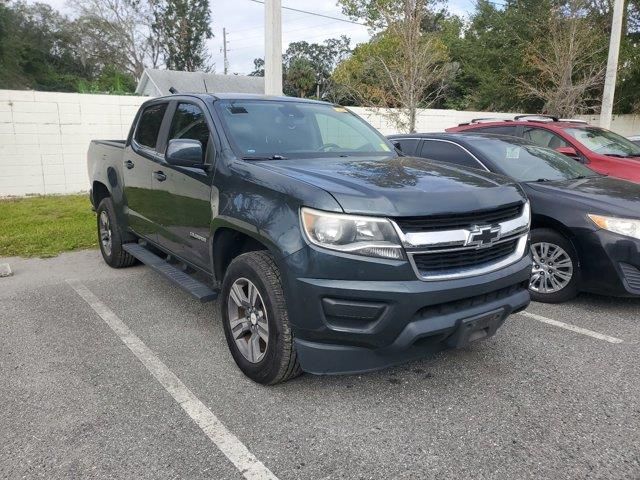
(105, 156)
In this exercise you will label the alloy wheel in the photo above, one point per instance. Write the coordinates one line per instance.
(552, 268)
(247, 317)
(105, 233)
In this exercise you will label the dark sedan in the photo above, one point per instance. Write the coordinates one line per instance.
(585, 226)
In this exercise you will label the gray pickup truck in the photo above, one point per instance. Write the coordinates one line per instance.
(332, 252)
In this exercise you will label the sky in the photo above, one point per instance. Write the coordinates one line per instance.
(244, 21)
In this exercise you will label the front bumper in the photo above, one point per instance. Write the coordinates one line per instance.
(610, 264)
(358, 325)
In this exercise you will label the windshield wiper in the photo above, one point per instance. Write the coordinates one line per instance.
(582, 177)
(617, 155)
(542, 180)
(264, 157)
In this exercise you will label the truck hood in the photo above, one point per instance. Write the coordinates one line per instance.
(401, 186)
(603, 195)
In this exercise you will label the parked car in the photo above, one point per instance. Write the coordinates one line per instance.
(330, 252)
(585, 233)
(601, 150)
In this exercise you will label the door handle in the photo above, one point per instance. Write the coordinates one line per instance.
(129, 164)
(160, 176)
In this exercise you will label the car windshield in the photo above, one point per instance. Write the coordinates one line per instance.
(526, 162)
(604, 142)
(283, 129)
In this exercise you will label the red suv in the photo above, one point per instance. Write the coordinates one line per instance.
(602, 150)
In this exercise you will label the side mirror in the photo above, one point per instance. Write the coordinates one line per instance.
(572, 153)
(568, 151)
(184, 153)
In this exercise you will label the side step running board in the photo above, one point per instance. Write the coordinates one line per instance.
(189, 284)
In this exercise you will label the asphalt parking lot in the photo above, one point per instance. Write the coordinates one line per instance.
(116, 374)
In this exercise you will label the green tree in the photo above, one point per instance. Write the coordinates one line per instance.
(183, 27)
(37, 49)
(258, 68)
(110, 80)
(304, 60)
(44, 50)
(404, 66)
(491, 54)
(568, 62)
(300, 78)
(118, 32)
(530, 55)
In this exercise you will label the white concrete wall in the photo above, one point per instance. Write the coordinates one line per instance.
(44, 136)
(626, 125)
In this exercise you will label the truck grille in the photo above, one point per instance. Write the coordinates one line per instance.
(453, 222)
(427, 263)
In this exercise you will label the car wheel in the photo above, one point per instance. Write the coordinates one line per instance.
(556, 270)
(255, 319)
(110, 237)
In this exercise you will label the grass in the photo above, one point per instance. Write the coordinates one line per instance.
(46, 226)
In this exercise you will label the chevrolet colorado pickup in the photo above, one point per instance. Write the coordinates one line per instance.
(331, 252)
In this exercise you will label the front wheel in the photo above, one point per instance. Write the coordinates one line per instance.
(255, 319)
(555, 273)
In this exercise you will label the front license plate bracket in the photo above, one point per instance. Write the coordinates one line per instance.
(476, 328)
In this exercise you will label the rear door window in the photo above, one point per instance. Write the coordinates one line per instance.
(149, 125)
(449, 153)
(408, 146)
(544, 138)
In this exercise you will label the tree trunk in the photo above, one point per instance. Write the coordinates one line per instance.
(412, 118)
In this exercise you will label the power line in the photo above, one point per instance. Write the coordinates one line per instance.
(289, 20)
(315, 13)
(285, 32)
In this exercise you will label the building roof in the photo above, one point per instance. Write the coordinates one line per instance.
(157, 83)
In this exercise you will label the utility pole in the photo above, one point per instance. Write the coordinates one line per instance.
(273, 47)
(224, 47)
(612, 65)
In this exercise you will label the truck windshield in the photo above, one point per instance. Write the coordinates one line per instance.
(605, 142)
(284, 129)
(525, 162)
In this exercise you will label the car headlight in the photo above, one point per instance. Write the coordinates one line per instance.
(368, 236)
(624, 226)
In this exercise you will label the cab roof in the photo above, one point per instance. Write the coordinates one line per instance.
(243, 96)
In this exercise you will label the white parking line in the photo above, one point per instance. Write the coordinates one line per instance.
(573, 328)
(248, 465)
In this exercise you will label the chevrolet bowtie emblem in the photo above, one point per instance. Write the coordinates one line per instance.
(483, 236)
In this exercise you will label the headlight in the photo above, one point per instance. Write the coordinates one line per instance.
(623, 226)
(527, 212)
(369, 236)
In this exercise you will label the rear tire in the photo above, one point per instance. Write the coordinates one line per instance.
(253, 310)
(110, 236)
(556, 267)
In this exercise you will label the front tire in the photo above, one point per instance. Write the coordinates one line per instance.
(556, 269)
(256, 323)
(110, 237)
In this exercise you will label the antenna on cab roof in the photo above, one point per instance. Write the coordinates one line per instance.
(173, 90)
